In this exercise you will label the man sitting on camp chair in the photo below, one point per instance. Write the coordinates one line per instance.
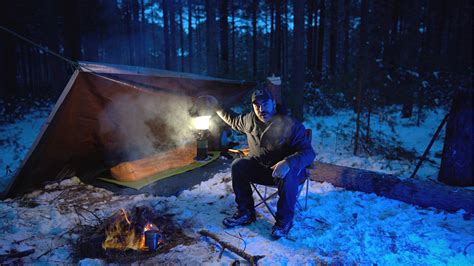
(279, 154)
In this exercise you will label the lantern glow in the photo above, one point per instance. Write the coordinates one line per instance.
(202, 122)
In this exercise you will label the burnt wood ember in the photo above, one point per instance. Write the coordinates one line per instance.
(89, 244)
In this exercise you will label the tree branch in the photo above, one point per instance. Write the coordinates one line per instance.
(251, 259)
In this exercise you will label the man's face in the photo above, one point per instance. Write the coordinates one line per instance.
(264, 110)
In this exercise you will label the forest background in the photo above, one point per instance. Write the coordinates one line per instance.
(415, 53)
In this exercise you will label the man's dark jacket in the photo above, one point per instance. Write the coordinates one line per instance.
(281, 138)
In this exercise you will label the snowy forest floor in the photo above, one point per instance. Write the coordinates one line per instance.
(338, 226)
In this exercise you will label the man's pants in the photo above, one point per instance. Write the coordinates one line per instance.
(248, 170)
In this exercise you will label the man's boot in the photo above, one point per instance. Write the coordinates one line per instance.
(239, 218)
(281, 229)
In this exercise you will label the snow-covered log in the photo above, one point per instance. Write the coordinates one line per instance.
(413, 191)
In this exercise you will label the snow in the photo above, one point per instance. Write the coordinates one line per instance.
(333, 138)
(15, 141)
(338, 226)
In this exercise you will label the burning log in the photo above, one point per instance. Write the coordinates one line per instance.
(123, 233)
(251, 259)
(93, 238)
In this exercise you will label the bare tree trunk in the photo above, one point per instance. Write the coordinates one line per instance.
(232, 10)
(362, 65)
(456, 161)
(181, 34)
(309, 34)
(172, 18)
(128, 26)
(72, 37)
(285, 41)
(211, 45)
(224, 66)
(190, 35)
(346, 36)
(254, 26)
(166, 35)
(298, 63)
(319, 68)
(136, 36)
(271, 52)
(142, 34)
(277, 47)
(199, 61)
(333, 39)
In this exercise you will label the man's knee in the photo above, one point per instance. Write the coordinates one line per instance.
(240, 165)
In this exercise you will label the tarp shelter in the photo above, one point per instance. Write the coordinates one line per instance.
(84, 129)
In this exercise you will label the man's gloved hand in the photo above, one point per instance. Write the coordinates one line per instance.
(280, 169)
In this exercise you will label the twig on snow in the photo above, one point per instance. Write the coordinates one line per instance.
(251, 259)
(20, 254)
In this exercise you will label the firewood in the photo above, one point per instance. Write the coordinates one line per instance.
(12, 255)
(251, 259)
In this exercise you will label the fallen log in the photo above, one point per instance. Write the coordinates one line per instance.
(19, 254)
(418, 192)
(251, 259)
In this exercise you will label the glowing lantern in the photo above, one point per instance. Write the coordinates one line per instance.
(201, 123)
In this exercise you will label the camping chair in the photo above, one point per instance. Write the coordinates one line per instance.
(264, 198)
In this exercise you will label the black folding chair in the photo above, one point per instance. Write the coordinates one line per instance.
(264, 198)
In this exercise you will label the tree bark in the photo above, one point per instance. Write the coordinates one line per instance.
(190, 35)
(72, 31)
(309, 34)
(232, 10)
(298, 61)
(346, 35)
(127, 9)
(271, 52)
(211, 45)
(254, 38)
(319, 67)
(456, 161)
(172, 18)
(422, 193)
(277, 47)
(362, 65)
(224, 25)
(136, 36)
(166, 35)
(181, 34)
(333, 39)
(142, 34)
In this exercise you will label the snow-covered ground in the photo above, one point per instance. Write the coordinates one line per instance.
(396, 143)
(338, 226)
(17, 138)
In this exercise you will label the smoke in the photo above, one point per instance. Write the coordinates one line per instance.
(141, 125)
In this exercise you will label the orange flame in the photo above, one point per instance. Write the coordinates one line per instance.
(122, 235)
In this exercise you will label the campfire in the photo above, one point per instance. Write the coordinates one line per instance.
(123, 233)
(131, 235)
